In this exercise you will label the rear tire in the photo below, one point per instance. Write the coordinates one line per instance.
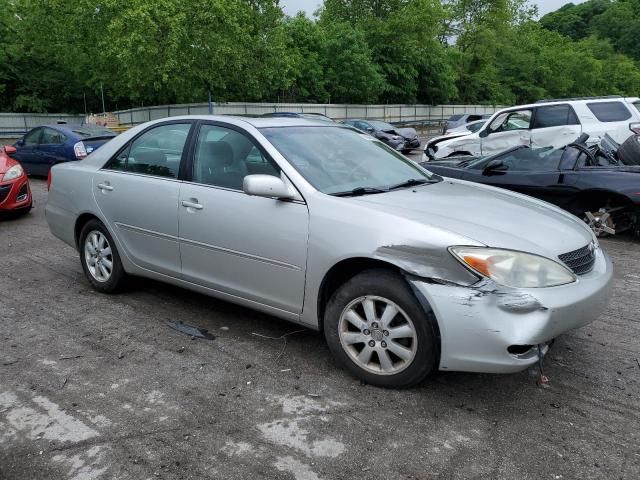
(100, 258)
(376, 328)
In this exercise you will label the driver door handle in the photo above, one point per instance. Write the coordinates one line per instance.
(104, 186)
(192, 204)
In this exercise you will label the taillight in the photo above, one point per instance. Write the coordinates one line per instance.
(635, 128)
(49, 181)
(80, 150)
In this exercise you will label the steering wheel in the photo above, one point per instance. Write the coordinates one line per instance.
(585, 150)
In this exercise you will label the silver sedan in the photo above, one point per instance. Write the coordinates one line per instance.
(404, 271)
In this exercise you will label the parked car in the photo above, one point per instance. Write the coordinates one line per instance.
(327, 227)
(15, 193)
(545, 124)
(49, 145)
(591, 183)
(308, 115)
(402, 139)
(459, 120)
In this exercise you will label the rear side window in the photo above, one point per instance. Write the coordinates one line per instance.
(555, 116)
(610, 111)
(156, 152)
(52, 137)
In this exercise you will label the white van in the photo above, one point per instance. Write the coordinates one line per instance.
(547, 123)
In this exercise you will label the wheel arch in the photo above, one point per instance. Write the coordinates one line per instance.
(595, 198)
(347, 268)
(81, 221)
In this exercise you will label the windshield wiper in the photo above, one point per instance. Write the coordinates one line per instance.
(412, 182)
(359, 191)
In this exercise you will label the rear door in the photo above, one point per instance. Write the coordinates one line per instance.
(507, 130)
(138, 191)
(554, 126)
(51, 149)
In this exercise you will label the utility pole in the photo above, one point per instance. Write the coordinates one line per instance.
(210, 104)
(104, 110)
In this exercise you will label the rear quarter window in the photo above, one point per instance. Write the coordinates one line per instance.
(637, 105)
(610, 111)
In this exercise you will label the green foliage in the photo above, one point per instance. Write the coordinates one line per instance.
(58, 54)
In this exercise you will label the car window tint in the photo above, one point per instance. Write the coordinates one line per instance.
(474, 127)
(33, 137)
(610, 111)
(52, 137)
(542, 159)
(224, 157)
(473, 118)
(554, 116)
(156, 152)
(637, 105)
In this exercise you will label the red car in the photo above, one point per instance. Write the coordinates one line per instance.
(15, 193)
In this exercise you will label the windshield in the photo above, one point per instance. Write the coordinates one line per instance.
(338, 159)
(381, 125)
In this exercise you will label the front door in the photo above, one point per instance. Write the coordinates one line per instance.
(254, 248)
(27, 152)
(507, 130)
(137, 192)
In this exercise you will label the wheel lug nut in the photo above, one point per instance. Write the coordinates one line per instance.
(374, 325)
(385, 333)
(372, 343)
(366, 332)
(384, 344)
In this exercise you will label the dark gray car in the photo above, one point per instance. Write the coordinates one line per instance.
(402, 139)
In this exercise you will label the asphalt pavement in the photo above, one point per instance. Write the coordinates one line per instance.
(97, 386)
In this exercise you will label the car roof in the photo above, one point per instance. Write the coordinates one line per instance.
(71, 129)
(257, 122)
(571, 101)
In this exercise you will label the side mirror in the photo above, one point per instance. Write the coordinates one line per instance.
(483, 133)
(492, 166)
(266, 186)
(20, 143)
(9, 150)
(370, 129)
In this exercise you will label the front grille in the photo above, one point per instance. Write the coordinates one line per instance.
(580, 261)
(4, 191)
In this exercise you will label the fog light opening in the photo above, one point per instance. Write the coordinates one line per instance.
(520, 350)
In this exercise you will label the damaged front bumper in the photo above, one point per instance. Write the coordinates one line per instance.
(487, 327)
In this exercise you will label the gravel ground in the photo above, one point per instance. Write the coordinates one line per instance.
(99, 387)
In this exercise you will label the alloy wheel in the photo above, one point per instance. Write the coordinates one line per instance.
(98, 256)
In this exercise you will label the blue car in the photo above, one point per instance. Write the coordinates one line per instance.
(47, 145)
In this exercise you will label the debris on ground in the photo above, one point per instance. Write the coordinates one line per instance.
(191, 330)
(282, 337)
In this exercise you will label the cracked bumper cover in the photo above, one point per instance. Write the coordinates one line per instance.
(478, 323)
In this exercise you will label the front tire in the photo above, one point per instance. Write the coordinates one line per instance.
(100, 259)
(377, 329)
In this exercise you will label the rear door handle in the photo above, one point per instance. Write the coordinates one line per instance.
(194, 204)
(104, 186)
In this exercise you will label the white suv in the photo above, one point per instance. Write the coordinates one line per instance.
(546, 123)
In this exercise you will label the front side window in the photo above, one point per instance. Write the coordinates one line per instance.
(508, 121)
(338, 160)
(610, 111)
(555, 116)
(525, 159)
(223, 157)
(52, 137)
(156, 152)
(33, 137)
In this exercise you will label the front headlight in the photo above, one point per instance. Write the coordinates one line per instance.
(396, 137)
(513, 269)
(14, 172)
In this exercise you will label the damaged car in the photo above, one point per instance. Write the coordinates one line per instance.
(404, 272)
(401, 139)
(600, 184)
(548, 123)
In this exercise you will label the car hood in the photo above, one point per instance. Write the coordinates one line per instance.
(491, 216)
(408, 133)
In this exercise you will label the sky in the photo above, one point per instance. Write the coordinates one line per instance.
(291, 7)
